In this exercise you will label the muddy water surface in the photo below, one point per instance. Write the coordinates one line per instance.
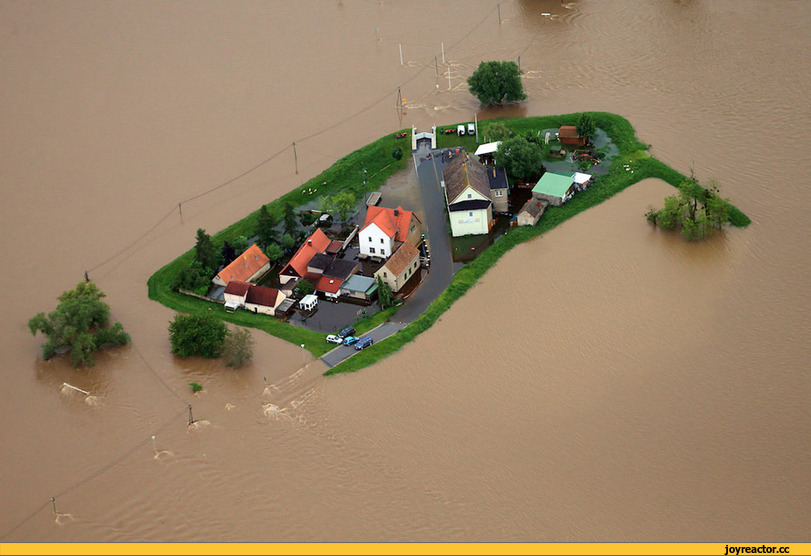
(604, 382)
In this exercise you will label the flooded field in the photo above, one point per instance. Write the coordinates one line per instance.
(606, 381)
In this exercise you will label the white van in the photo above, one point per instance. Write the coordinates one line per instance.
(471, 130)
(460, 129)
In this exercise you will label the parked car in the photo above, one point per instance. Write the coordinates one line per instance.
(348, 331)
(460, 129)
(363, 343)
(333, 339)
(349, 340)
(471, 129)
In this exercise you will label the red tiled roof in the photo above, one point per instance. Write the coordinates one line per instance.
(244, 266)
(260, 295)
(334, 247)
(235, 287)
(394, 222)
(329, 285)
(316, 243)
(401, 258)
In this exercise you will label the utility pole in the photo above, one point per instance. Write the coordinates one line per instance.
(401, 54)
(191, 417)
(443, 52)
(519, 63)
(295, 156)
(180, 211)
(86, 278)
(476, 124)
(499, 13)
(437, 66)
(449, 78)
(399, 99)
(53, 501)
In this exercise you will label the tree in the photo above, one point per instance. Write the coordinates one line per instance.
(288, 242)
(193, 278)
(266, 226)
(384, 294)
(696, 210)
(274, 253)
(201, 335)
(228, 253)
(497, 83)
(204, 252)
(342, 204)
(240, 245)
(238, 347)
(585, 126)
(290, 222)
(521, 159)
(303, 287)
(497, 131)
(397, 153)
(78, 325)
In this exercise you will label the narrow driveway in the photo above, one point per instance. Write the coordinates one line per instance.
(342, 353)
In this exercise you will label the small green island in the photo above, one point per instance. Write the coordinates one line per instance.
(330, 260)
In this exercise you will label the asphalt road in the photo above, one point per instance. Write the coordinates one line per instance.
(342, 353)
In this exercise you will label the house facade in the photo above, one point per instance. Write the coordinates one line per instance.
(385, 228)
(567, 135)
(235, 293)
(467, 195)
(264, 300)
(249, 266)
(554, 188)
(531, 212)
(359, 287)
(400, 267)
(499, 189)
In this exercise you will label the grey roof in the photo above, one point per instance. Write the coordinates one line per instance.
(497, 178)
(358, 283)
(463, 171)
(320, 261)
(341, 269)
(535, 207)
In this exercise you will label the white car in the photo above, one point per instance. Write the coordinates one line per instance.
(333, 339)
(471, 129)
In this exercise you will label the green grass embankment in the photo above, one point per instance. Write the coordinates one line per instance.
(631, 152)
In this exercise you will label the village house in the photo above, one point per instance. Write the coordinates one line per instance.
(334, 276)
(467, 194)
(499, 189)
(400, 267)
(297, 268)
(554, 188)
(567, 135)
(235, 293)
(249, 266)
(359, 287)
(531, 212)
(264, 300)
(384, 228)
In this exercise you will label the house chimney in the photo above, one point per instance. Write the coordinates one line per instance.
(309, 242)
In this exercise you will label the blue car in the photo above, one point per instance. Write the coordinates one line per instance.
(349, 340)
(348, 331)
(363, 343)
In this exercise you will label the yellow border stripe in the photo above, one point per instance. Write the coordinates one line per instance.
(392, 548)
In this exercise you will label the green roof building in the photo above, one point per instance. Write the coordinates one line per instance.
(554, 188)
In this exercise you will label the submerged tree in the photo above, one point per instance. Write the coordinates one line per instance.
(695, 210)
(238, 347)
(80, 325)
(585, 126)
(341, 204)
(201, 335)
(497, 83)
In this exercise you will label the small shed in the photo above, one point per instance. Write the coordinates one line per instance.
(531, 212)
(486, 152)
(568, 135)
(581, 181)
(308, 303)
(359, 287)
(554, 188)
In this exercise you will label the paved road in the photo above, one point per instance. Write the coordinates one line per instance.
(435, 227)
(342, 353)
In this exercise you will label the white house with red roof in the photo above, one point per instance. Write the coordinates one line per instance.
(249, 266)
(385, 228)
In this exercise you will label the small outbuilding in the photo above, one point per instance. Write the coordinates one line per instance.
(582, 181)
(531, 212)
(568, 135)
(308, 303)
(554, 188)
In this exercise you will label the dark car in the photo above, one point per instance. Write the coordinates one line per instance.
(348, 331)
(363, 343)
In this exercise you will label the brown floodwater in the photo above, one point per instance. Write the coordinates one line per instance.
(606, 381)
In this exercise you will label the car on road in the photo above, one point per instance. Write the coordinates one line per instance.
(349, 340)
(363, 343)
(333, 339)
(348, 331)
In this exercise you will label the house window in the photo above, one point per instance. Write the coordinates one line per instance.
(382, 251)
(470, 214)
(499, 193)
(370, 238)
(381, 240)
(469, 196)
(385, 275)
(415, 264)
(371, 249)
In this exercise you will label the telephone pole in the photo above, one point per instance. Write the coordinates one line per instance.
(295, 156)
